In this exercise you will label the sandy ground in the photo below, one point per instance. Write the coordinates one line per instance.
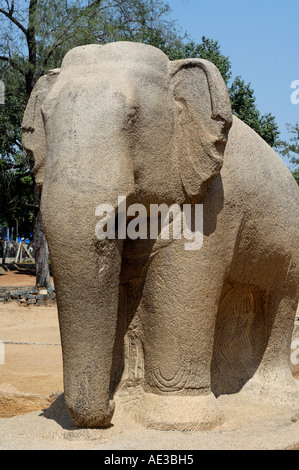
(32, 417)
(35, 367)
(32, 362)
(16, 278)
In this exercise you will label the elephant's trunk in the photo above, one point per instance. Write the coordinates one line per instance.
(86, 274)
(89, 315)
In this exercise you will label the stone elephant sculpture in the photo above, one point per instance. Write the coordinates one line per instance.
(169, 327)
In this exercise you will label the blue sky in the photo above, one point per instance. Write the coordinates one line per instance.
(262, 40)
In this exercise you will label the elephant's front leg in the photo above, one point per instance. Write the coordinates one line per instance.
(179, 306)
(86, 276)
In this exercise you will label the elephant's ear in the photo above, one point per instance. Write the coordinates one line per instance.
(203, 119)
(33, 130)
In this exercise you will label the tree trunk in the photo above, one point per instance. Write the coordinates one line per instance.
(41, 252)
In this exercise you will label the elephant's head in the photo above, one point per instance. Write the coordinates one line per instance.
(168, 121)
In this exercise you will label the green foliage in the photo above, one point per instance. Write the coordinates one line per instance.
(16, 194)
(210, 50)
(11, 112)
(290, 148)
(16, 186)
(64, 25)
(241, 95)
(244, 107)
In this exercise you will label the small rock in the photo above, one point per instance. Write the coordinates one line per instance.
(51, 290)
(43, 291)
(33, 291)
(31, 301)
(22, 292)
(49, 297)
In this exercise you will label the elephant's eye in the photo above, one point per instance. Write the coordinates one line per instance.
(132, 115)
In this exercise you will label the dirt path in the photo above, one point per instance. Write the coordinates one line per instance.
(21, 276)
(32, 361)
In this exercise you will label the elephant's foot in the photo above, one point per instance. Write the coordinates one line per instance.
(85, 415)
(275, 387)
(179, 412)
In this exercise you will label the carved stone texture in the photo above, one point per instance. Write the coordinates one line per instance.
(170, 327)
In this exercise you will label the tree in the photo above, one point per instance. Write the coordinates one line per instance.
(244, 107)
(16, 187)
(209, 50)
(290, 149)
(241, 95)
(35, 36)
(16, 194)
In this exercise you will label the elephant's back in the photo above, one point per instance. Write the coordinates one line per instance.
(260, 191)
(255, 175)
